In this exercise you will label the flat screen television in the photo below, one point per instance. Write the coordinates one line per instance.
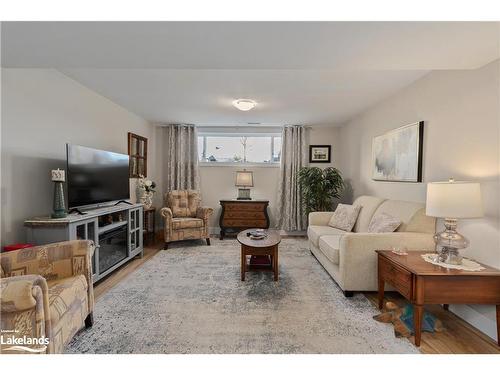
(96, 176)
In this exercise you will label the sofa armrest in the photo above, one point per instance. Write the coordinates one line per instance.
(204, 213)
(24, 307)
(358, 259)
(320, 217)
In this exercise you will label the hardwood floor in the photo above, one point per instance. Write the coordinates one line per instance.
(458, 337)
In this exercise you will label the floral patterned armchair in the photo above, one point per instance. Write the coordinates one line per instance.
(46, 292)
(184, 218)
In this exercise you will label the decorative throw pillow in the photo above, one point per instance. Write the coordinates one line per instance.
(344, 217)
(383, 223)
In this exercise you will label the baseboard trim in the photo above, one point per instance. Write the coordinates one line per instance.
(476, 319)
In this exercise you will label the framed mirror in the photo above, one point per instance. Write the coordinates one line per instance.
(138, 152)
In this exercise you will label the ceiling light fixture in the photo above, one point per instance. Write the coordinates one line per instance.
(244, 104)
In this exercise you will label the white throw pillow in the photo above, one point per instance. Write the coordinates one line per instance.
(344, 217)
(383, 223)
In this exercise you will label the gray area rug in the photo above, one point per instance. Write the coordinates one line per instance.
(189, 299)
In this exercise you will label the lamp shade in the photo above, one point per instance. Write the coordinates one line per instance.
(244, 178)
(454, 200)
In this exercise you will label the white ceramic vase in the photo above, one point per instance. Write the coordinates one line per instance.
(146, 198)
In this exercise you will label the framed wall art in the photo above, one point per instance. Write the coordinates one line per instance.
(320, 153)
(397, 154)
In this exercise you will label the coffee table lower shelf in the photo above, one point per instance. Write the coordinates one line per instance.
(271, 251)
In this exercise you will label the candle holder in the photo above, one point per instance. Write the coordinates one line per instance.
(59, 205)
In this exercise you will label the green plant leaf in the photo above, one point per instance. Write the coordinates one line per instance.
(319, 187)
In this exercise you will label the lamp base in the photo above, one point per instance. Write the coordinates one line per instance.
(450, 255)
(59, 205)
(449, 242)
(244, 194)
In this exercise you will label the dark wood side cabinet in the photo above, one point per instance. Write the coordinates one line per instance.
(425, 283)
(237, 215)
(149, 225)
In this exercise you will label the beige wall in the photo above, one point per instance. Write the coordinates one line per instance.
(42, 111)
(217, 182)
(461, 140)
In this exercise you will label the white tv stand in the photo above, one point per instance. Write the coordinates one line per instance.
(116, 231)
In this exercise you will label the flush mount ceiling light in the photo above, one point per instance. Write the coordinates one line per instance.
(244, 104)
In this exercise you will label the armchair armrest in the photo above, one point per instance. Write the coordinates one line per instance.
(167, 215)
(166, 212)
(320, 217)
(204, 213)
(18, 293)
(24, 307)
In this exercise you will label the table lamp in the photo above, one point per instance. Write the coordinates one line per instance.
(59, 206)
(453, 200)
(244, 180)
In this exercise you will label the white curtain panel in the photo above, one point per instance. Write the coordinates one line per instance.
(292, 215)
(180, 155)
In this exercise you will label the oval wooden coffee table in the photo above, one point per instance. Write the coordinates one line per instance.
(266, 246)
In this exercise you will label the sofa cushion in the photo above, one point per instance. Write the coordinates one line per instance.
(314, 232)
(368, 207)
(186, 223)
(344, 217)
(383, 223)
(410, 213)
(330, 246)
(66, 297)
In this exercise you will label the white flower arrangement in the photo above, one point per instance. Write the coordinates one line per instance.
(147, 185)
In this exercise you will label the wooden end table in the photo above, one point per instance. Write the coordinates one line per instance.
(149, 232)
(422, 283)
(266, 246)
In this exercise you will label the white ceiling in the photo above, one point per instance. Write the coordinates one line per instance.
(205, 96)
(298, 72)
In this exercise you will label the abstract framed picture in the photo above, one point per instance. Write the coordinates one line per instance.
(320, 153)
(397, 154)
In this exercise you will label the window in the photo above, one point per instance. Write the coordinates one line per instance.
(239, 148)
(138, 151)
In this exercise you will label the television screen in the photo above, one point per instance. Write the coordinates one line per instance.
(96, 176)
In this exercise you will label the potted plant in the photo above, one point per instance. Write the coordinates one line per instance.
(146, 189)
(319, 187)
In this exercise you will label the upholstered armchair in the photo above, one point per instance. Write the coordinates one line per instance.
(45, 293)
(184, 218)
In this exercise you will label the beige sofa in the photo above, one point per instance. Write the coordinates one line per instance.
(350, 258)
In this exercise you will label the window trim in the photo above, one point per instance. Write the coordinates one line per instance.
(237, 165)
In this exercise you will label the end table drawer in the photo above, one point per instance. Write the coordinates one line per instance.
(396, 276)
(245, 215)
(245, 223)
(236, 206)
